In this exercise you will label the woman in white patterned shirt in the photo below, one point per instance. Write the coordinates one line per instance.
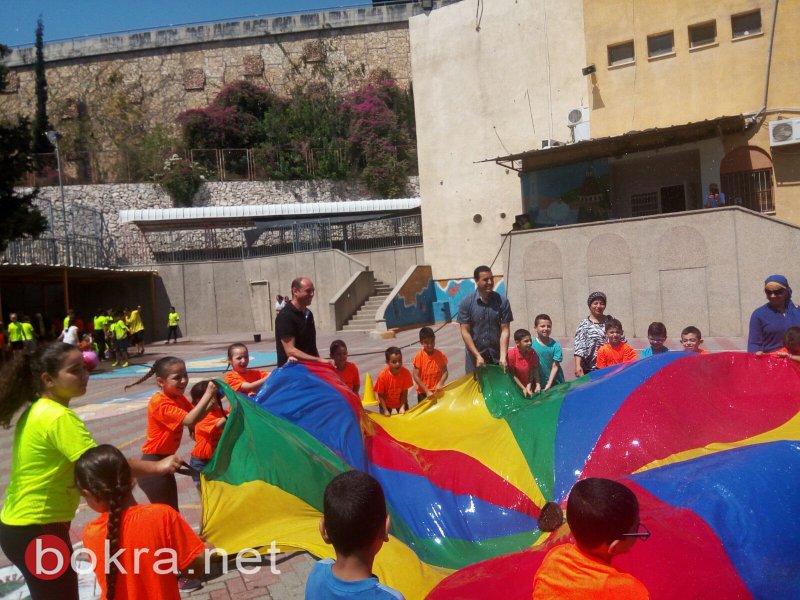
(590, 335)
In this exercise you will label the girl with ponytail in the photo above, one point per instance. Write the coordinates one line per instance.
(168, 412)
(139, 536)
(48, 438)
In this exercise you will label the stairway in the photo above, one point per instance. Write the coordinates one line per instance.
(364, 317)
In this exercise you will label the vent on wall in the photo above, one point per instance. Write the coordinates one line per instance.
(784, 132)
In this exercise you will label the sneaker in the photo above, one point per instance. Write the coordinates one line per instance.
(116, 364)
(167, 342)
(187, 586)
(125, 365)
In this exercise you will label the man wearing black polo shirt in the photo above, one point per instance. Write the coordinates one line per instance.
(295, 332)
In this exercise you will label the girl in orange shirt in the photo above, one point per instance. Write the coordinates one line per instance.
(136, 534)
(207, 432)
(168, 412)
(242, 379)
(346, 370)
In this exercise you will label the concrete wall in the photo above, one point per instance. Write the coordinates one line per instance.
(389, 266)
(239, 296)
(484, 87)
(702, 268)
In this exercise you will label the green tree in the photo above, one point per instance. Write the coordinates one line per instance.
(40, 121)
(18, 217)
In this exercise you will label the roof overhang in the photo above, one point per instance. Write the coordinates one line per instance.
(46, 274)
(250, 215)
(618, 146)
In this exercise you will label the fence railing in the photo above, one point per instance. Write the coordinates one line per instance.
(218, 243)
(222, 164)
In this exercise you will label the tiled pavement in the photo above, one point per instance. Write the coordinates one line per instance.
(118, 417)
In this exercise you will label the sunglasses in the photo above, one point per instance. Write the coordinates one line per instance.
(778, 292)
(642, 532)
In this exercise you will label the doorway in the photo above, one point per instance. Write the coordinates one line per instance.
(673, 199)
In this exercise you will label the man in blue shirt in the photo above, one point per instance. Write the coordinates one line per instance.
(485, 317)
(715, 198)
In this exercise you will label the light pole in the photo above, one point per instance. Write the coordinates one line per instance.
(53, 136)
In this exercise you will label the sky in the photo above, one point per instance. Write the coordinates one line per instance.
(77, 18)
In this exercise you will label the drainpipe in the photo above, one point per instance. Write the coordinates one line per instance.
(752, 119)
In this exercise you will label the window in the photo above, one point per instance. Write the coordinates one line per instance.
(645, 204)
(746, 24)
(621, 54)
(702, 34)
(661, 44)
(751, 189)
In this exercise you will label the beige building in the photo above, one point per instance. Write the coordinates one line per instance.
(486, 85)
(682, 95)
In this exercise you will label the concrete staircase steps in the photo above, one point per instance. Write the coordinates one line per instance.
(364, 317)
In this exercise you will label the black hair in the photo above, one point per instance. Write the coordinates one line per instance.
(791, 337)
(104, 471)
(21, 377)
(656, 328)
(233, 347)
(520, 334)
(426, 333)
(476, 274)
(542, 317)
(612, 323)
(336, 345)
(159, 369)
(600, 510)
(692, 329)
(198, 390)
(354, 508)
(391, 351)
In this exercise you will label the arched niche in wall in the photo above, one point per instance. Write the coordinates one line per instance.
(542, 260)
(682, 247)
(608, 254)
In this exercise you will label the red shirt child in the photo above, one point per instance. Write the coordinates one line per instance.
(524, 363)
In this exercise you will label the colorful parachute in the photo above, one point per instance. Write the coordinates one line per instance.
(710, 444)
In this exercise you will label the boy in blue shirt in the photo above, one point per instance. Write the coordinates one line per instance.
(355, 521)
(656, 335)
(549, 352)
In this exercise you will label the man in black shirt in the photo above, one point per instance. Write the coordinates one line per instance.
(295, 332)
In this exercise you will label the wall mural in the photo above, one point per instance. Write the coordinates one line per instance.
(424, 300)
(577, 193)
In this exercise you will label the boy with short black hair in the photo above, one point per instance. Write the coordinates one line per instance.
(523, 364)
(549, 353)
(430, 366)
(692, 339)
(355, 521)
(392, 383)
(603, 516)
(656, 335)
(616, 351)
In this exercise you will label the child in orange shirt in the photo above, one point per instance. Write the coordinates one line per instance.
(168, 412)
(242, 379)
(346, 370)
(603, 516)
(207, 432)
(523, 364)
(692, 339)
(791, 345)
(392, 383)
(616, 351)
(136, 534)
(430, 366)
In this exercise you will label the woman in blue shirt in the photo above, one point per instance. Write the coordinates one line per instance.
(769, 322)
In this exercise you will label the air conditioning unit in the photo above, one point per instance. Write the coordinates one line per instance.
(578, 122)
(551, 144)
(784, 132)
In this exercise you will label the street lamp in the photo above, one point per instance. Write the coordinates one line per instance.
(53, 136)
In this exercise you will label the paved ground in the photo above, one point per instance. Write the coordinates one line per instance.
(116, 416)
